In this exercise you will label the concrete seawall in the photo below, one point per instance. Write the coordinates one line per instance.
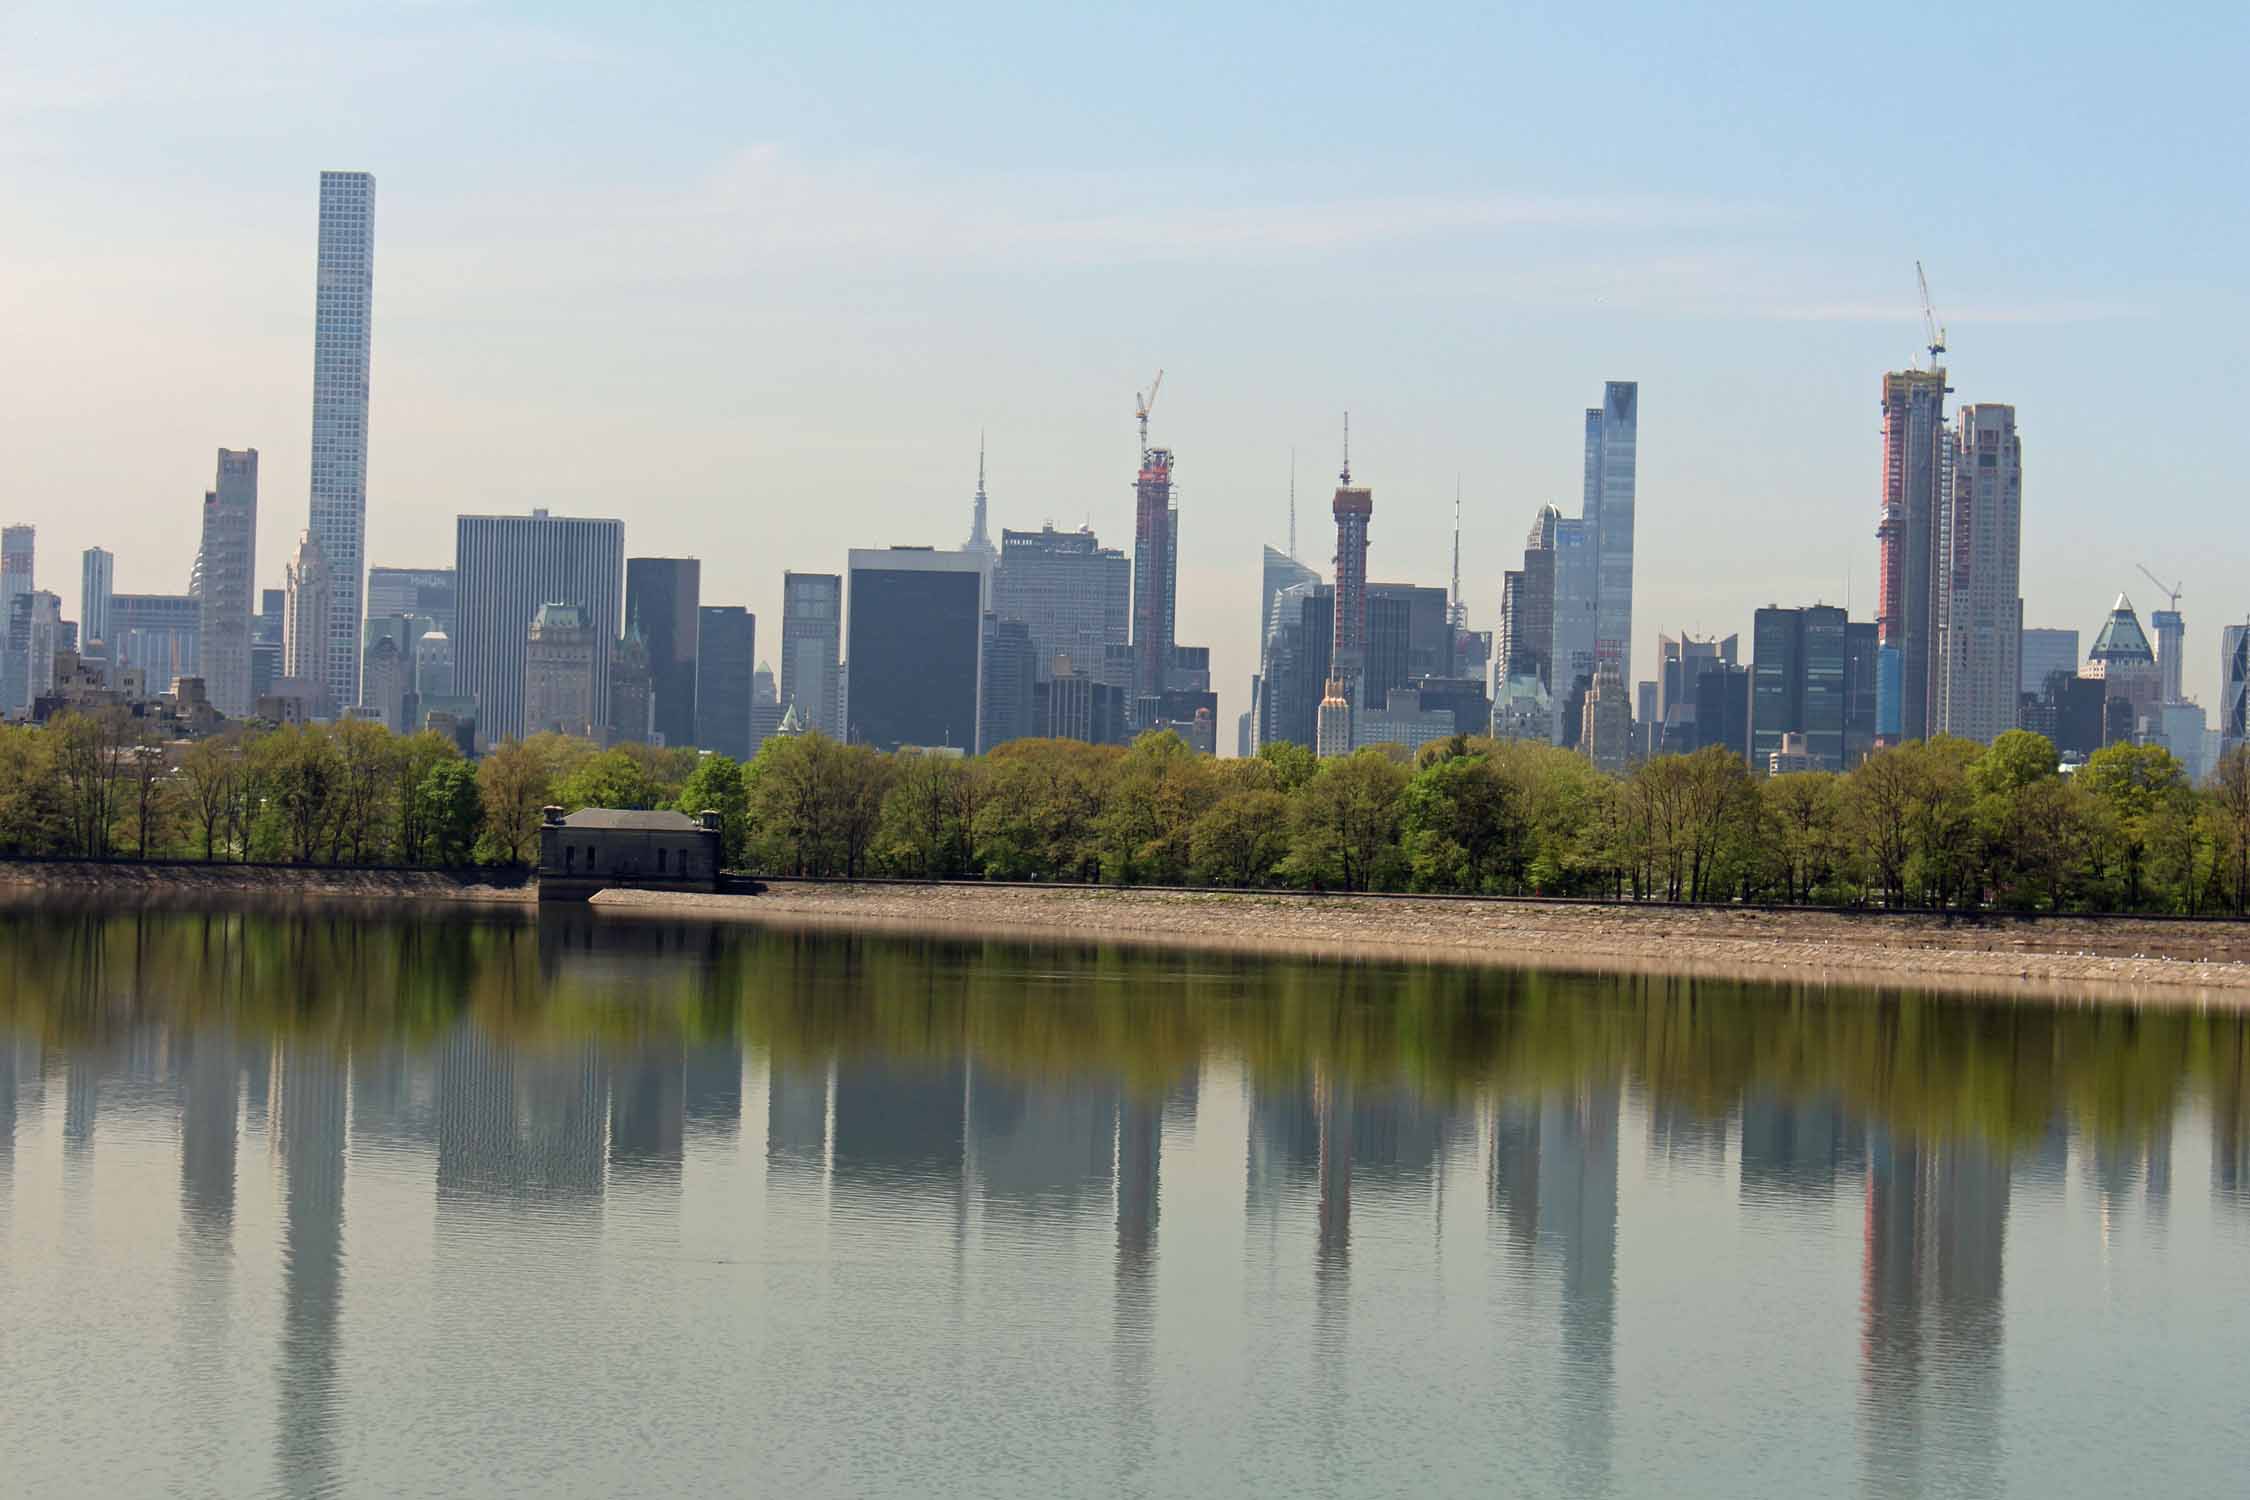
(170, 880)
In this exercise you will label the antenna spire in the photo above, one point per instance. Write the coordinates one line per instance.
(1346, 475)
(1292, 504)
(1460, 615)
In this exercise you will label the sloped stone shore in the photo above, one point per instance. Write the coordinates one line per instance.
(160, 881)
(2067, 959)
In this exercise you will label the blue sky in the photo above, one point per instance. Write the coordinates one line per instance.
(754, 278)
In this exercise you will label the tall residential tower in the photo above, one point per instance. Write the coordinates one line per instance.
(1612, 466)
(341, 324)
(1916, 459)
(226, 581)
(1977, 660)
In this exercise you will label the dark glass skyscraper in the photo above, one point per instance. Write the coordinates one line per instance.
(662, 596)
(726, 660)
(916, 632)
(1798, 665)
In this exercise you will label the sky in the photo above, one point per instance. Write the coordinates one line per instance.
(754, 279)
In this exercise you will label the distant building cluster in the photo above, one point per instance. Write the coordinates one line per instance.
(544, 623)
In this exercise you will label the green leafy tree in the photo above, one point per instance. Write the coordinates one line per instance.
(449, 808)
(515, 781)
(1241, 838)
(2133, 786)
(1463, 823)
(416, 755)
(616, 778)
(1346, 823)
(716, 786)
(1154, 796)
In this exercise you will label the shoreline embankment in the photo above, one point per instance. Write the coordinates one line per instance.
(2067, 959)
(185, 881)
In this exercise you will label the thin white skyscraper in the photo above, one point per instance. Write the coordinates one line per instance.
(226, 581)
(342, 318)
(97, 573)
(1979, 603)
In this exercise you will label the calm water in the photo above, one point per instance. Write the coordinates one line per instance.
(432, 1206)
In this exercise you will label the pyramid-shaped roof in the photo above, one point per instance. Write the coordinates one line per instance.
(2121, 638)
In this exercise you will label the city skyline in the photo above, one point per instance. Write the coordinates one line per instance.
(573, 340)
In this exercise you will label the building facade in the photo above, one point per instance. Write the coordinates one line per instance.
(308, 635)
(1612, 471)
(2041, 653)
(1354, 512)
(1073, 593)
(1011, 676)
(812, 622)
(158, 634)
(2234, 687)
(1798, 677)
(343, 314)
(431, 594)
(1916, 463)
(507, 567)
(1977, 668)
(2124, 662)
(226, 581)
(726, 658)
(1154, 575)
(558, 673)
(97, 581)
(917, 635)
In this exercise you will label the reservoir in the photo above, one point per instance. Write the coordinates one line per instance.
(407, 1202)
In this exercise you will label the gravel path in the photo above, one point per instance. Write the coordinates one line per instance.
(2071, 959)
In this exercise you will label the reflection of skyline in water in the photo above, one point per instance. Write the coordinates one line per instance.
(998, 1145)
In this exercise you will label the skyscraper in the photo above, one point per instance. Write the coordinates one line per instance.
(558, 672)
(1346, 686)
(1612, 465)
(2123, 659)
(342, 316)
(97, 580)
(431, 594)
(1916, 458)
(1073, 593)
(1798, 683)
(1011, 676)
(1576, 625)
(2044, 653)
(2234, 687)
(726, 658)
(227, 569)
(980, 540)
(1978, 655)
(2171, 650)
(917, 634)
(1152, 572)
(17, 547)
(508, 566)
(812, 619)
(1523, 684)
(307, 637)
(662, 595)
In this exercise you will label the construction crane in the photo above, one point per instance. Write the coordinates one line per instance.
(1930, 327)
(1141, 405)
(2173, 592)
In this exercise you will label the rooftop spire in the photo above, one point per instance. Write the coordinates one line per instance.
(1346, 476)
(1458, 613)
(1292, 504)
(978, 540)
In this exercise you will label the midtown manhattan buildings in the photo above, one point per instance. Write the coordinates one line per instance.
(1074, 594)
(812, 622)
(1154, 571)
(1612, 467)
(726, 664)
(507, 567)
(662, 596)
(1976, 664)
(342, 323)
(306, 638)
(1916, 464)
(917, 636)
(226, 581)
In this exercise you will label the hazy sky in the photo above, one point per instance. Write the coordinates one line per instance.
(752, 279)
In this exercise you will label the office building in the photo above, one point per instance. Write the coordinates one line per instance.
(1605, 733)
(431, 594)
(1571, 657)
(1722, 709)
(342, 324)
(1424, 639)
(1681, 663)
(1074, 594)
(34, 634)
(1072, 704)
(630, 715)
(1402, 719)
(1797, 665)
(1861, 653)
(2171, 652)
(2234, 687)
(97, 580)
(2124, 662)
(158, 634)
(1523, 680)
(812, 617)
(662, 595)
(1011, 673)
(1154, 575)
(18, 554)
(1278, 573)
(1295, 666)
(1612, 464)
(384, 683)
(726, 656)
(226, 581)
(1791, 756)
(916, 639)
(2043, 653)
(433, 666)
(2180, 728)
(1977, 663)
(765, 706)
(1916, 457)
(273, 614)
(560, 650)
(507, 567)
(308, 635)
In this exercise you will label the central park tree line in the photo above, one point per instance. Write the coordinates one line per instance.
(1943, 823)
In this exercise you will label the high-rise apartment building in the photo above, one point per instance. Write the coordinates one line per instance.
(917, 635)
(1612, 466)
(558, 672)
(273, 613)
(1073, 593)
(1154, 575)
(1917, 458)
(342, 321)
(2171, 651)
(1976, 667)
(97, 581)
(812, 622)
(1798, 676)
(662, 595)
(726, 661)
(308, 637)
(507, 567)
(1576, 624)
(226, 576)
(33, 633)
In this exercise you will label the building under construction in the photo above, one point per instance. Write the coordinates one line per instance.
(1916, 463)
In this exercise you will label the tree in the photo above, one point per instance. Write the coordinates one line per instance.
(450, 808)
(303, 773)
(367, 756)
(1346, 822)
(717, 787)
(149, 799)
(415, 757)
(2132, 785)
(90, 754)
(2230, 795)
(1291, 765)
(1880, 799)
(1463, 822)
(614, 778)
(920, 834)
(208, 772)
(1805, 812)
(32, 814)
(515, 781)
(1042, 806)
(1240, 839)
(1156, 793)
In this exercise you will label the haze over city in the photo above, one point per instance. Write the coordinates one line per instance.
(755, 284)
